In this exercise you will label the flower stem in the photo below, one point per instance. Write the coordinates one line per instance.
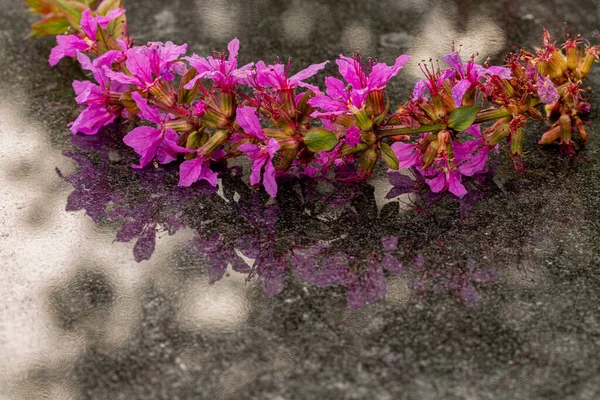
(482, 116)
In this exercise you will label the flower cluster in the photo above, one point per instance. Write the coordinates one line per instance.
(199, 110)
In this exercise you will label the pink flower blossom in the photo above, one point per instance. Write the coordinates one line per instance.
(150, 142)
(101, 99)
(262, 156)
(146, 64)
(340, 98)
(69, 45)
(221, 69)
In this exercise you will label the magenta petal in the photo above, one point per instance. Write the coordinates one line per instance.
(269, 181)
(92, 119)
(256, 169)
(352, 136)
(326, 103)
(272, 147)
(307, 72)
(474, 130)
(146, 112)
(406, 153)
(381, 74)
(546, 90)
(455, 185)
(251, 150)
(194, 170)
(104, 20)
(389, 243)
(454, 61)
(335, 88)
(248, 121)
(501, 72)
(459, 90)
(68, 46)
(144, 141)
(88, 24)
(233, 48)
(419, 90)
(120, 77)
(351, 71)
(437, 183)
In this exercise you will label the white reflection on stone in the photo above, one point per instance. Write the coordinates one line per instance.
(165, 22)
(218, 18)
(221, 307)
(358, 38)
(483, 37)
(297, 22)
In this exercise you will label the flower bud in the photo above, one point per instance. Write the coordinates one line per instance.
(542, 67)
(179, 125)
(581, 130)
(287, 101)
(164, 93)
(557, 65)
(227, 103)
(375, 104)
(430, 153)
(288, 143)
(214, 119)
(215, 141)
(494, 134)
(585, 66)
(516, 142)
(368, 161)
(438, 106)
(429, 110)
(443, 141)
(564, 122)
(572, 57)
(550, 136)
(363, 121)
(287, 158)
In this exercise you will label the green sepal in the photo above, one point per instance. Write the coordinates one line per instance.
(389, 156)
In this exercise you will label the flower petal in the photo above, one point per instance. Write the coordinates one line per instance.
(248, 121)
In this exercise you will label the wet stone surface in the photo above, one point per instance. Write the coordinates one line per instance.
(117, 284)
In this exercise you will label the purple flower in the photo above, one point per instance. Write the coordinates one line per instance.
(101, 100)
(471, 156)
(195, 170)
(341, 98)
(262, 156)
(431, 84)
(222, 70)
(69, 45)
(149, 141)
(248, 121)
(546, 90)
(276, 76)
(146, 64)
(469, 74)
(407, 154)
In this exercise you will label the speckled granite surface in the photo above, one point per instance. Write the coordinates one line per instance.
(506, 305)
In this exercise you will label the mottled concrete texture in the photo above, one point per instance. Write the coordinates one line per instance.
(506, 306)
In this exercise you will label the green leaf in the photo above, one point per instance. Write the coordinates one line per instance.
(389, 156)
(319, 139)
(49, 26)
(462, 118)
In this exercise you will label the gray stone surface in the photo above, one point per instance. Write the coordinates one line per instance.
(80, 318)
